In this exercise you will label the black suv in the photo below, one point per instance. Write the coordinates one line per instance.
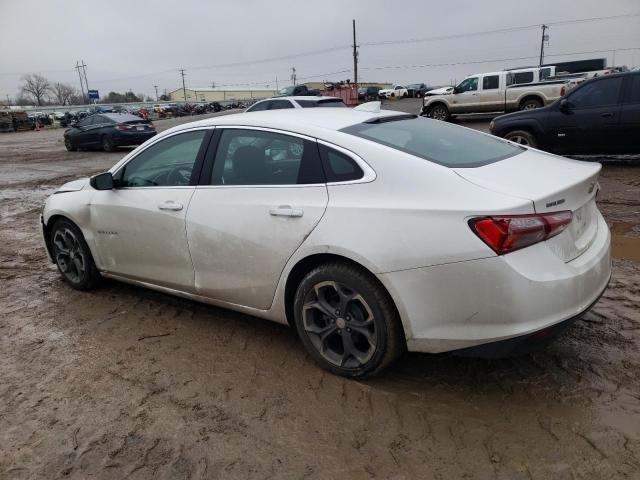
(601, 115)
(368, 93)
(417, 90)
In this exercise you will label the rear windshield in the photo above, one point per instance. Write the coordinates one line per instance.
(436, 141)
(321, 103)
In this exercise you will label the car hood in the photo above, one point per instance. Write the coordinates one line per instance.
(74, 185)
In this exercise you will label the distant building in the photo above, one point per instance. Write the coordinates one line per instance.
(216, 94)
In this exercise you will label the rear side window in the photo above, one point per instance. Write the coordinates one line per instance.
(258, 107)
(436, 141)
(280, 104)
(339, 167)
(597, 93)
(491, 82)
(521, 77)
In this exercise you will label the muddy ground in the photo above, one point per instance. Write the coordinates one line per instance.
(127, 383)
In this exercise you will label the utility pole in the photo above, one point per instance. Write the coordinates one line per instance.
(156, 87)
(277, 89)
(213, 84)
(355, 56)
(545, 38)
(184, 89)
(80, 77)
(84, 72)
(293, 76)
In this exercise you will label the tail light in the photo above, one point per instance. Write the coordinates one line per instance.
(151, 125)
(123, 127)
(507, 233)
(563, 90)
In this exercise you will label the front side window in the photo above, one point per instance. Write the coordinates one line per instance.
(468, 85)
(167, 163)
(256, 157)
(490, 82)
(436, 141)
(597, 93)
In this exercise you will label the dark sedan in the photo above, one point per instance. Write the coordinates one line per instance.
(601, 116)
(108, 131)
(417, 90)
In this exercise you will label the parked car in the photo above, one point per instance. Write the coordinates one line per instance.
(439, 91)
(397, 91)
(279, 103)
(599, 116)
(491, 92)
(298, 90)
(505, 245)
(108, 131)
(368, 93)
(417, 90)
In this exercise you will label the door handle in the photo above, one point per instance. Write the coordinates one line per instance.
(607, 115)
(170, 205)
(286, 211)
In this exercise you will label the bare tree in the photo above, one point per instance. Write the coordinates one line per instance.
(36, 86)
(63, 93)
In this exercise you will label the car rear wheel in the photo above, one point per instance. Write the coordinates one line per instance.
(68, 144)
(107, 144)
(418, 95)
(72, 256)
(531, 104)
(439, 112)
(522, 137)
(347, 321)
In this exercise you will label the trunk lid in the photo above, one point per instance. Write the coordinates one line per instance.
(552, 184)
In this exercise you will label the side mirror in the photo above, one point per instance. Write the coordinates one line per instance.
(102, 181)
(565, 105)
(455, 90)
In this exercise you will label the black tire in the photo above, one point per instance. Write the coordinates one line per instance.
(72, 256)
(418, 95)
(68, 144)
(439, 112)
(361, 340)
(522, 137)
(530, 104)
(107, 144)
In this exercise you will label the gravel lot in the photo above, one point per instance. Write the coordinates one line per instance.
(127, 383)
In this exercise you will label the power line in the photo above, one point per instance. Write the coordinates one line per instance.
(498, 30)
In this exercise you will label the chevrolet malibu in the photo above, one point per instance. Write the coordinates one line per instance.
(371, 232)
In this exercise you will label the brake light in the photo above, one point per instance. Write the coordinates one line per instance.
(151, 125)
(507, 233)
(123, 126)
(563, 90)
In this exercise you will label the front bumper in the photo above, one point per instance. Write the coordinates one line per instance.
(465, 304)
(47, 245)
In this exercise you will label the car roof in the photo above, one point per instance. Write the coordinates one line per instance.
(313, 98)
(306, 121)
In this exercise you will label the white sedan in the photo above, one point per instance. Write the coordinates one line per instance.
(371, 232)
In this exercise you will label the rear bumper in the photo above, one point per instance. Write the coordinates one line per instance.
(466, 304)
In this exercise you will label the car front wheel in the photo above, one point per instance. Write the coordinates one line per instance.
(72, 256)
(439, 112)
(68, 144)
(522, 137)
(347, 321)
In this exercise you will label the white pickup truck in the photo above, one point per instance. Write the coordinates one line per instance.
(493, 92)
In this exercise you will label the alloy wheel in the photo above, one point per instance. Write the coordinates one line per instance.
(69, 255)
(439, 113)
(519, 139)
(340, 324)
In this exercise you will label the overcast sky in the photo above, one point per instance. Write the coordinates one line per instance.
(138, 44)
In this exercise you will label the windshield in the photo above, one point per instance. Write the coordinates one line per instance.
(436, 141)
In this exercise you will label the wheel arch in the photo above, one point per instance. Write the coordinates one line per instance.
(530, 96)
(308, 263)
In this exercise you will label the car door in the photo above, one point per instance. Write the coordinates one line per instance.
(491, 98)
(82, 132)
(465, 98)
(589, 121)
(629, 131)
(95, 130)
(139, 226)
(260, 195)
